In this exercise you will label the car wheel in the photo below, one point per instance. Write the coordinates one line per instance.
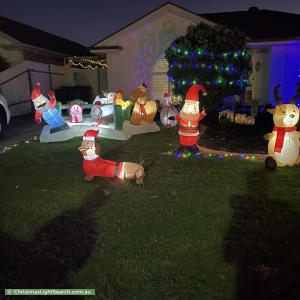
(2, 126)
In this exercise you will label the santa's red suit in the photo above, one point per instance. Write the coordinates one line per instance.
(94, 165)
(189, 130)
(97, 166)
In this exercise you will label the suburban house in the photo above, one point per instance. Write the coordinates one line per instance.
(57, 63)
(135, 53)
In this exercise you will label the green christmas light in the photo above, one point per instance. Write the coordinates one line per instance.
(225, 55)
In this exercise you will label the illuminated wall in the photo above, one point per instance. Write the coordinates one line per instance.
(285, 69)
(143, 44)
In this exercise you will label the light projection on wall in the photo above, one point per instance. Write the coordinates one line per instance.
(283, 147)
(96, 166)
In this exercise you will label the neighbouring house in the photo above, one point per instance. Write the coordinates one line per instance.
(135, 53)
(19, 42)
(57, 63)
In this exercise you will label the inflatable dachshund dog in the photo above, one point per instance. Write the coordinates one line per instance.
(96, 166)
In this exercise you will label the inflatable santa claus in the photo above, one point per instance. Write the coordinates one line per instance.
(188, 118)
(96, 166)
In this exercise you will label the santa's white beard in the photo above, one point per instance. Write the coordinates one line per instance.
(188, 116)
(190, 111)
(90, 151)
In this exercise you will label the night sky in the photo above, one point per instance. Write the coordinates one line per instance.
(89, 21)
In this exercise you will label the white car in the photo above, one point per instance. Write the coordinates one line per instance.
(4, 116)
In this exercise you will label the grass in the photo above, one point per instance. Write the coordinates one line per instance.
(193, 231)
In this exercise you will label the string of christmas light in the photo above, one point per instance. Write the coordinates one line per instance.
(209, 153)
(207, 67)
(98, 64)
(4, 149)
(203, 52)
(200, 66)
(219, 81)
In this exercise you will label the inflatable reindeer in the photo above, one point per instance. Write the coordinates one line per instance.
(284, 143)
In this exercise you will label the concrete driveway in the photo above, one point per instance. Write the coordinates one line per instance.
(20, 129)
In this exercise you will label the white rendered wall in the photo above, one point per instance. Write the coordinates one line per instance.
(143, 44)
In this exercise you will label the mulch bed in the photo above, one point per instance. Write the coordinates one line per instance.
(237, 138)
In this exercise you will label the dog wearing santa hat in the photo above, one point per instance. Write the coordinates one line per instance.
(188, 118)
(96, 166)
(45, 108)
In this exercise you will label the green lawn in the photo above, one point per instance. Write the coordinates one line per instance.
(197, 229)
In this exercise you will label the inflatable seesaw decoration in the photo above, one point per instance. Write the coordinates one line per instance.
(46, 108)
(96, 166)
(283, 146)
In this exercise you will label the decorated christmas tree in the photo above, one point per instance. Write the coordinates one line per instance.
(214, 56)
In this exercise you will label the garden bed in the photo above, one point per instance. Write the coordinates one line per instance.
(237, 138)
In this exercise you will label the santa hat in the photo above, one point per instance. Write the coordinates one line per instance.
(36, 92)
(192, 93)
(166, 95)
(90, 135)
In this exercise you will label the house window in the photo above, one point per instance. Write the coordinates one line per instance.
(160, 81)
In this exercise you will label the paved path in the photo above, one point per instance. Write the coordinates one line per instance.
(20, 129)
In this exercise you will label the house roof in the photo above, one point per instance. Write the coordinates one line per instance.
(260, 24)
(137, 20)
(34, 37)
